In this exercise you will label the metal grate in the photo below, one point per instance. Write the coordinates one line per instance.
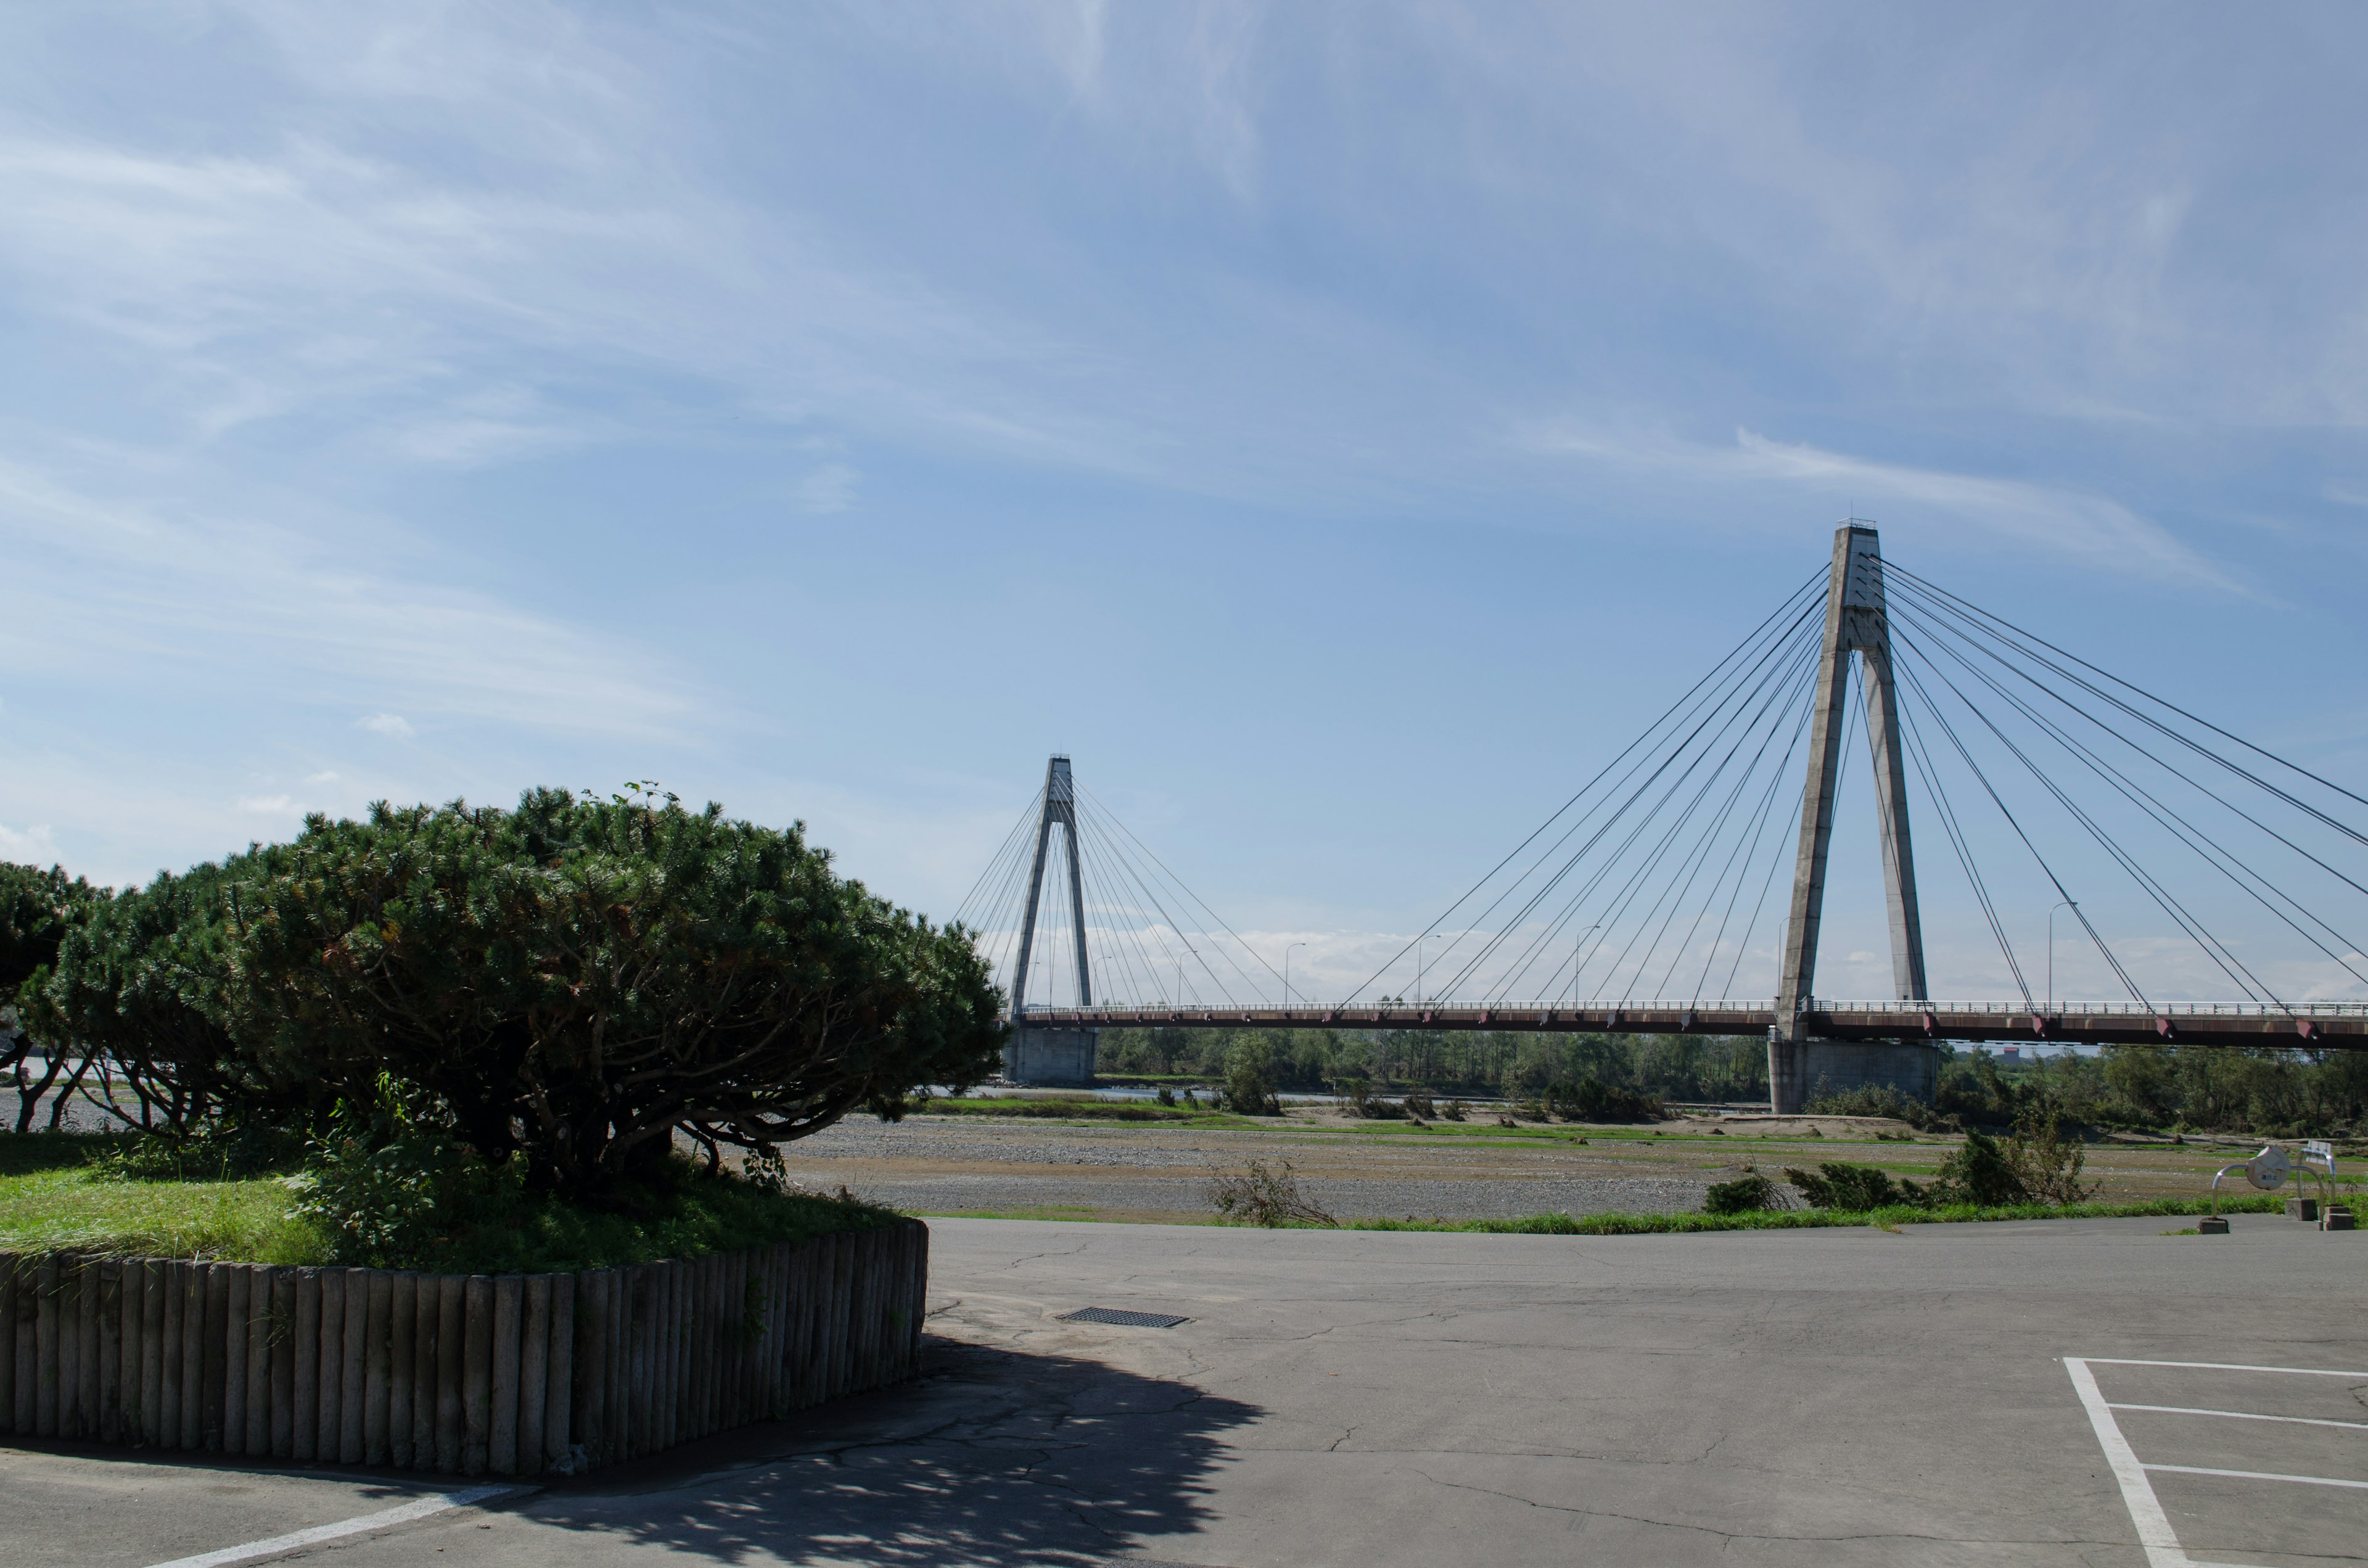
(1121, 1318)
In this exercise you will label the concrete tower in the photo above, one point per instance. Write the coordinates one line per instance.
(1856, 623)
(1051, 1055)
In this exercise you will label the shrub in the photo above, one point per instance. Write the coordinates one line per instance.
(39, 911)
(1878, 1099)
(1591, 1099)
(1264, 1195)
(1981, 1172)
(575, 981)
(1745, 1195)
(1853, 1188)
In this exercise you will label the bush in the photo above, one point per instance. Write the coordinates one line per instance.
(1745, 1195)
(1877, 1099)
(1591, 1099)
(1854, 1188)
(1249, 1090)
(39, 911)
(1264, 1195)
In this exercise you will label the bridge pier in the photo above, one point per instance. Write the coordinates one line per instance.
(1800, 1070)
(1043, 1055)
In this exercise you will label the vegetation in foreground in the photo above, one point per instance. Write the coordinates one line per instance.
(123, 1197)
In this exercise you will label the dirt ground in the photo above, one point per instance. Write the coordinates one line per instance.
(1030, 1168)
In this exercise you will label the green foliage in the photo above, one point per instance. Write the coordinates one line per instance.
(142, 986)
(575, 980)
(1591, 1099)
(1743, 1195)
(1249, 1091)
(1812, 1219)
(1680, 1067)
(39, 909)
(1876, 1099)
(1981, 1172)
(1856, 1188)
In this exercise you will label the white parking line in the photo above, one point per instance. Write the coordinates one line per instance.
(419, 1508)
(2155, 1534)
(2259, 1475)
(2243, 1416)
(2216, 1367)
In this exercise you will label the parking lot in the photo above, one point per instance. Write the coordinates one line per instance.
(2009, 1393)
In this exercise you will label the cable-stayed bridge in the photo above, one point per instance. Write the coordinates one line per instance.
(1650, 900)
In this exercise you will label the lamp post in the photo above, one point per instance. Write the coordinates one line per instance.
(1419, 941)
(2075, 908)
(1286, 975)
(1179, 974)
(1576, 942)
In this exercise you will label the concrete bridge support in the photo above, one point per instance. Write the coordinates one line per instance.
(1857, 629)
(1063, 1056)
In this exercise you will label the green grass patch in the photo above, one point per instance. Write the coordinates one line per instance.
(54, 1198)
(1815, 1219)
(1092, 1110)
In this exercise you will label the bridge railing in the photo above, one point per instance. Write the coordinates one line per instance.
(1755, 1004)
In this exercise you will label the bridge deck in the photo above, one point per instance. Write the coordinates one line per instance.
(2343, 1025)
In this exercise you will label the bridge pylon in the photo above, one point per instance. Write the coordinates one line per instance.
(1037, 1055)
(1856, 625)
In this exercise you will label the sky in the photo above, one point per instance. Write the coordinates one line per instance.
(1340, 428)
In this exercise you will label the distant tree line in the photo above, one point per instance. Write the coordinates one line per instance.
(1700, 1068)
(2215, 1089)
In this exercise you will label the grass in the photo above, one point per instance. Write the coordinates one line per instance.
(1816, 1219)
(52, 1198)
(1090, 1110)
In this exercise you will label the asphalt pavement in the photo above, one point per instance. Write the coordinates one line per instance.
(2046, 1393)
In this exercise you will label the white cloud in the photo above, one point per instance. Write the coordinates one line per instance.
(1941, 505)
(392, 725)
(270, 805)
(323, 776)
(828, 489)
(28, 845)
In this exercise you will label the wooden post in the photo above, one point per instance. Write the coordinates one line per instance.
(477, 1374)
(427, 1316)
(559, 1381)
(403, 1346)
(45, 1348)
(262, 1280)
(238, 1279)
(353, 1369)
(113, 1388)
(452, 1344)
(502, 1424)
(89, 1349)
(377, 1368)
(329, 1368)
(213, 1354)
(588, 1418)
(533, 1368)
(174, 1286)
(642, 1280)
(287, 1293)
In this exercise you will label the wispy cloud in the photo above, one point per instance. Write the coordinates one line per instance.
(394, 726)
(1945, 506)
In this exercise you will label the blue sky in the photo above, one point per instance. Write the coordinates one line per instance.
(1339, 426)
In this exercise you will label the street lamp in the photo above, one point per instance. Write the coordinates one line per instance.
(1179, 974)
(2075, 908)
(1286, 975)
(1576, 942)
(1419, 941)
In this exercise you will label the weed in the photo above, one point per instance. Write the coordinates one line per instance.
(1264, 1195)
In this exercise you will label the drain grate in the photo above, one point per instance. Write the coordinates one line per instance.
(1121, 1318)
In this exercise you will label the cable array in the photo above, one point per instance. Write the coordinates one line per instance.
(2217, 865)
(1149, 939)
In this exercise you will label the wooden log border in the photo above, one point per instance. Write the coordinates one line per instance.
(516, 1375)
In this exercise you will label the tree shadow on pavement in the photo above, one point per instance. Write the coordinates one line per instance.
(995, 1458)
